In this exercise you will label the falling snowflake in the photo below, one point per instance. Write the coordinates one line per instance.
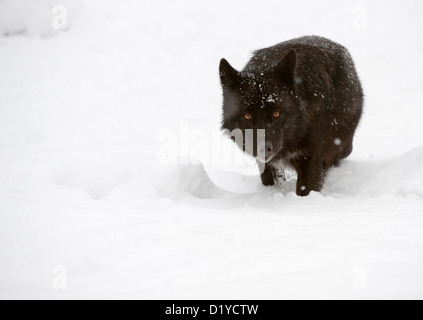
(270, 99)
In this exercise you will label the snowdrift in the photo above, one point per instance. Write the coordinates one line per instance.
(398, 177)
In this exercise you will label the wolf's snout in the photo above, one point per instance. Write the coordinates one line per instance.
(268, 149)
(265, 151)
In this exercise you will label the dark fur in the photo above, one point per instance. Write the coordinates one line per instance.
(313, 83)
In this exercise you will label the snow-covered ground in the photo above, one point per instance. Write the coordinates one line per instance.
(91, 206)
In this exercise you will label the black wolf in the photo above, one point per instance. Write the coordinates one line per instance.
(305, 93)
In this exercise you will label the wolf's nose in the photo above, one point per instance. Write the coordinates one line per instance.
(269, 148)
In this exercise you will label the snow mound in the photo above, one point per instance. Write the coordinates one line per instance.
(400, 177)
(189, 180)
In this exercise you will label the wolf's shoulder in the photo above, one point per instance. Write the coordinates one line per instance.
(307, 48)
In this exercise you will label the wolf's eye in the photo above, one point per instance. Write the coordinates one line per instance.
(248, 116)
(276, 114)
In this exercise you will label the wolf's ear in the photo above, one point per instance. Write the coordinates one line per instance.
(286, 68)
(228, 75)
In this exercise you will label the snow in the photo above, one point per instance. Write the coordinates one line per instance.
(89, 209)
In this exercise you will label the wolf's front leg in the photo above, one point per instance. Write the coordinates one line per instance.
(268, 175)
(311, 175)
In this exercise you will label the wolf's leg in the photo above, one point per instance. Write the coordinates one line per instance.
(269, 175)
(311, 175)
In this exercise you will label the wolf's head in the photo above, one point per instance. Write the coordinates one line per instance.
(256, 100)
